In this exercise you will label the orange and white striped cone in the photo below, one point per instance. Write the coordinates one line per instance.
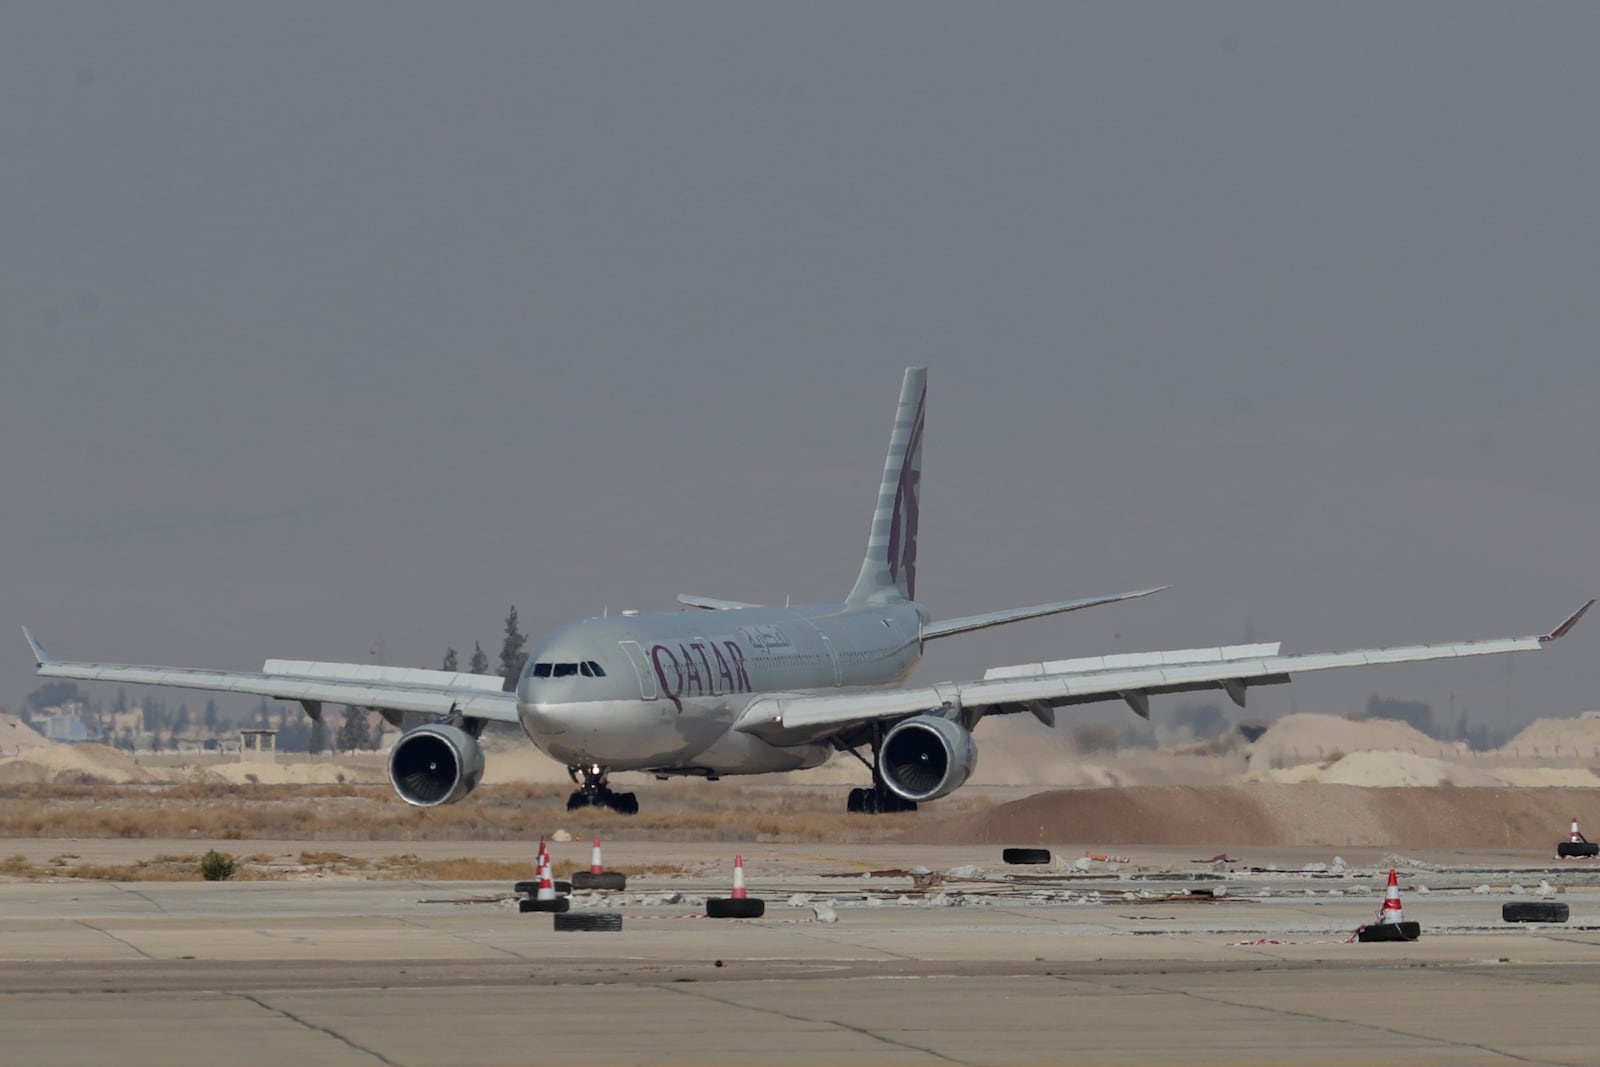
(547, 887)
(738, 878)
(595, 866)
(1574, 837)
(1390, 911)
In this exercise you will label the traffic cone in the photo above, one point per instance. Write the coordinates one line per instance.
(1576, 846)
(738, 904)
(545, 898)
(1391, 923)
(1390, 911)
(597, 877)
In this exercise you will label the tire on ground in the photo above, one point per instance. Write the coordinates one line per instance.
(588, 920)
(559, 904)
(1025, 855)
(603, 880)
(1577, 849)
(1390, 932)
(1534, 911)
(528, 887)
(735, 908)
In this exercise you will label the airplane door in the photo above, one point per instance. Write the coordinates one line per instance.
(832, 655)
(647, 679)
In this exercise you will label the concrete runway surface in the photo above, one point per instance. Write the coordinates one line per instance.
(1137, 963)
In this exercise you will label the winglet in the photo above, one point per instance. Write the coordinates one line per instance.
(41, 657)
(1561, 631)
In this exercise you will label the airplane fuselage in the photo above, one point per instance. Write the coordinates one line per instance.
(661, 691)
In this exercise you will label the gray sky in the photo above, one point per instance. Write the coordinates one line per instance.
(325, 325)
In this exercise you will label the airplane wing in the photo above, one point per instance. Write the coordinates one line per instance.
(712, 603)
(366, 685)
(967, 623)
(1040, 688)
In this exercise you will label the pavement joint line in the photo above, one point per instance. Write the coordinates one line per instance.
(476, 942)
(705, 995)
(124, 888)
(1358, 1023)
(114, 937)
(292, 1017)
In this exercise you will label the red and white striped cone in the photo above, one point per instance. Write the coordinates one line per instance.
(596, 867)
(738, 904)
(547, 888)
(738, 879)
(1390, 911)
(1574, 837)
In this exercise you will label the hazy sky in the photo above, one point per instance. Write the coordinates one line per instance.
(324, 325)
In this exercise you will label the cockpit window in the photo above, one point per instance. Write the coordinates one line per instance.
(541, 670)
(591, 669)
(566, 670)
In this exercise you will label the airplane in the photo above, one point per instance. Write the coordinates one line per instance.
(736, 688)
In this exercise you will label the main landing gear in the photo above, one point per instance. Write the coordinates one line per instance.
(878, 799)
(594, 793)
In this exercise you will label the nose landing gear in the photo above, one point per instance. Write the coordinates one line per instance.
(593, 792)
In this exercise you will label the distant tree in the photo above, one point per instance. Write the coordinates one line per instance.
(180, 723)
(480, 660)
(450, 661)
(56, 694)
(1412, 712)
(512, 657)
(210, 717)
(120, 705)
(317, 743)
(353, 733)
(376, 741)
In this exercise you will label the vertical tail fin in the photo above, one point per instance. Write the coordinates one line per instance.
(890, 568)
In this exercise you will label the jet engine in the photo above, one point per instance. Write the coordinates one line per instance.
(435, 764)
(926, 757)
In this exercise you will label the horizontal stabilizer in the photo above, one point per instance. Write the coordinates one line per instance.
(967, 623)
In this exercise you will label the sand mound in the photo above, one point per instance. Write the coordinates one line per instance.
(75, 763)
(1388, 769)
(1309, 736)
(1553, 737)
(1272, 814)
(17, 736)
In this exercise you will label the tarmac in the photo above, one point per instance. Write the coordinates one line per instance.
(862, 958)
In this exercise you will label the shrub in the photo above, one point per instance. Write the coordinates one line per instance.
(216, 867)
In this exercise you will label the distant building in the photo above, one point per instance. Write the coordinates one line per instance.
(64, 725)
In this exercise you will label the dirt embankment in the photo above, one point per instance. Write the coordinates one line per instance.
(1274, 814)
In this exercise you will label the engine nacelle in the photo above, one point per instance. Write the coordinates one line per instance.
(435, 764)
(926, 757)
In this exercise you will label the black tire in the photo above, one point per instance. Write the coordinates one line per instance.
(1577, 849)
(1025, 855)
(603, 880)
(577, 800)
(1534, 911)
(625, 803)
(1390, 932)
(559, 904)
(731, 908)
(529, 888)
(588, 920)
(856, 803)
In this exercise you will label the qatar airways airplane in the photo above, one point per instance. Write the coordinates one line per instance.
(740, 688)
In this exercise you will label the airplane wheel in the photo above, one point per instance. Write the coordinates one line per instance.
(735, 908)
(589, 920)
(625, 803)
(603, 880)
(1534, 911)
(577, 800)
(856, 804)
